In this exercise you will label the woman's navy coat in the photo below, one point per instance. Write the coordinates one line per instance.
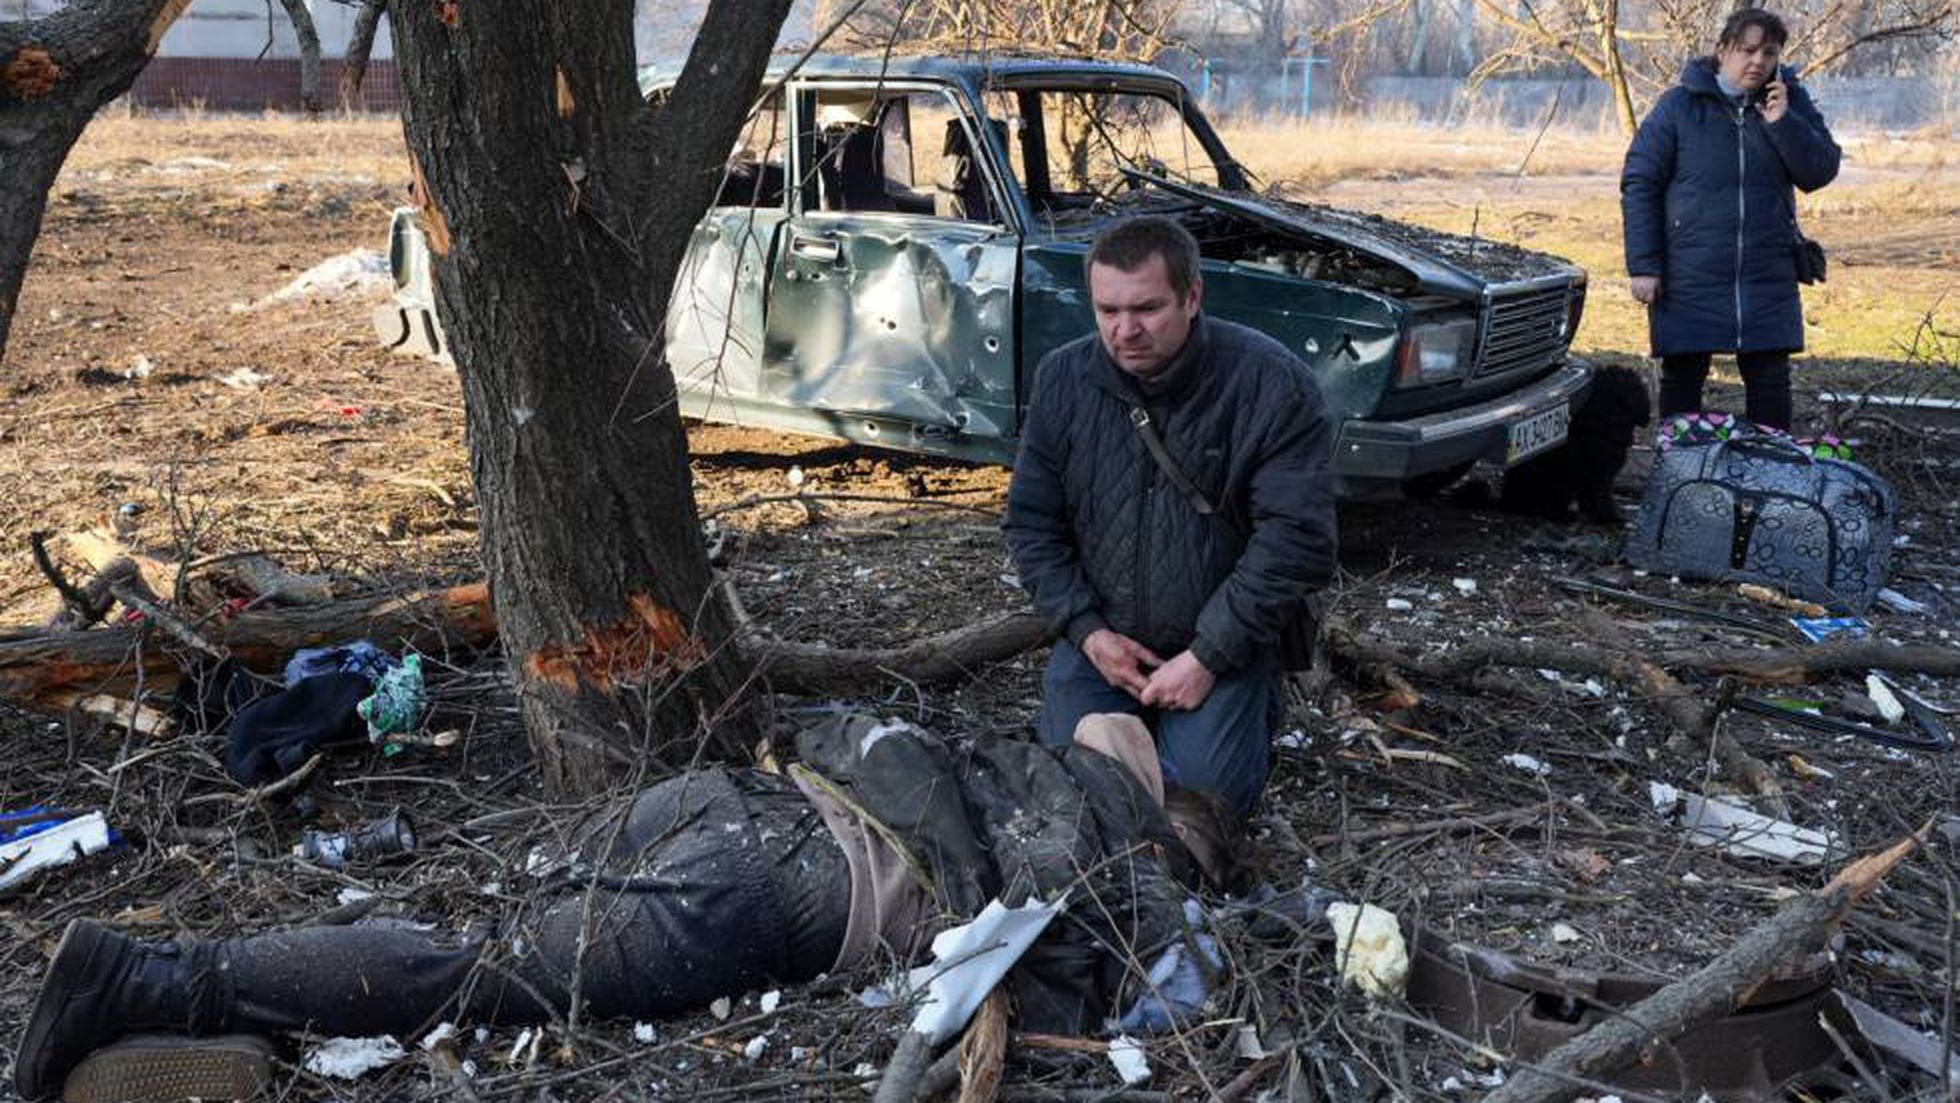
(1706, 197)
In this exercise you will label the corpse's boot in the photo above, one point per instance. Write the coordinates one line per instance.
(101, 986)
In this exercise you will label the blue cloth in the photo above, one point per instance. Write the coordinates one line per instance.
(1178, 984)
(1706, 199)
(1224, 746)
(359, 657)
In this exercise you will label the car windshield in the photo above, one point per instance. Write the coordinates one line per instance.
(1069, 147)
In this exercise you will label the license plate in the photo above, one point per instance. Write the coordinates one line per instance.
(1538, 432)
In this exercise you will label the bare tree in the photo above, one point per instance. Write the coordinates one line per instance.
(558, 204)
(308, 38)
(360, 46)
(55, 73)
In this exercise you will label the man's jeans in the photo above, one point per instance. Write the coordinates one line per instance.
(1224, 746)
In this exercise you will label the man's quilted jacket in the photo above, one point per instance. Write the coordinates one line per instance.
(1102, 538)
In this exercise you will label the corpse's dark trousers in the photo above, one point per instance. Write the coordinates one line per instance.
(1765, 381)
(716, 888)
(1223, 747)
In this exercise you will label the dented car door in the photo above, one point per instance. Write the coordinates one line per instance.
(891, 299)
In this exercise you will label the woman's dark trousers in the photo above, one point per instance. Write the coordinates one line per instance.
(1765, 380)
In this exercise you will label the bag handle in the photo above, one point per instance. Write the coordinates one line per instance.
(1154, 444)
(1755, 443)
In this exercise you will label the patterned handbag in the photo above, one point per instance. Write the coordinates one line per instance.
(1765, 509)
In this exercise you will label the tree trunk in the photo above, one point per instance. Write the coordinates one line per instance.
(360, 44)
(1616, 73)
(558, 205)
(55, 73)
(308, 38)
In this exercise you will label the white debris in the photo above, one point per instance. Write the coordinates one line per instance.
(55, 846)
(876, 996)
(1564, 932)
(1716, 821)
(352, 896)
(1882, 696)
(1464, 586)
(1368, 945)
(352, 1058)
(524, 1051)
(444, 1031)
(1900, 603)
(720, 1008)
(1526, 763)
(1248, 1044)
(1293, 739)
(139, 368)
(1399, 604)
(244, 379)
(770, 1001)
(968, 960)
(644, 1033)
(1126, 1053)
(878, 731)
(756, 1045)
(361, 272)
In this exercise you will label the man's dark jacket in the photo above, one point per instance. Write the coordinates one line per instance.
(1102, 538)
(1707, 203)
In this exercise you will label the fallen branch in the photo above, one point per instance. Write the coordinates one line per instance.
(1801, 928)
(1797, 665)
(820, 668)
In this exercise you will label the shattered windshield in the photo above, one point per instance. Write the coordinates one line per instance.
(1070, 147)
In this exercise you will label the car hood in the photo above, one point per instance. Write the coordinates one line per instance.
(1441, 263)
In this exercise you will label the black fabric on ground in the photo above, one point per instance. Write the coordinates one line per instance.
(210, 695)
(711, 886)
(275, 735)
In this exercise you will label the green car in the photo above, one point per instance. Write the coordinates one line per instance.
(897, 243)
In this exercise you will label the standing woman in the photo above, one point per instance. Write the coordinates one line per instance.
(1711, 220)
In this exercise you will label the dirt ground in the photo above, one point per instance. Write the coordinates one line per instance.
(152, 363)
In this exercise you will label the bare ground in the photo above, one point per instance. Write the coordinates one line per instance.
(336, 457)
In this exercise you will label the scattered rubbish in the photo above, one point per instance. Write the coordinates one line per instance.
(351, 895)
(1399, 605)
(1715, 821)
(1248, 1045)
(1819, 629)
(360, 657)
(360, 272)
(1464, 586)
(756, 1045)
(1756, 592)
(1927, 732)
(770, 1001)
(397, 704)
(353, 1058)
(443, 1032)
(1923, 1052)
(139, 368)
(378, 839)
(1368, 945)
(1803, 768)
(35, 838)
(1881, 695)
(1900, 603)
(1176, 986)
(1126, 1054)
(721, 1008)
(1765, 629)
(1564, 932)
(968, 960)
(1526, 763)
(644, 1033)
(524, 1051)
(244, 379)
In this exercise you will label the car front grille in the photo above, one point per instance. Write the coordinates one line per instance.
(1523, 330)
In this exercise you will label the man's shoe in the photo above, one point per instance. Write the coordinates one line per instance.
(67, 1021)
(157, 1067)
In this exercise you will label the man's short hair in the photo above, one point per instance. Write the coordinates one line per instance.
(1775, 31)
(1129, 245)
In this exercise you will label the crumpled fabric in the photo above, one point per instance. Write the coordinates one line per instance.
(360, 657)
(1180, 980)
(398, 701)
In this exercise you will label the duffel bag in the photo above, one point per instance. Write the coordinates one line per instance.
(1763, 509)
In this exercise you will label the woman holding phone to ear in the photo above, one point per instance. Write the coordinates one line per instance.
(1710, 216)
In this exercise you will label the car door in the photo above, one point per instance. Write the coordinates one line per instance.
(891, 306)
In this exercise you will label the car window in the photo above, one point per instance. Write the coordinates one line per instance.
(894, 151)
(757, 167)
(1070, 147)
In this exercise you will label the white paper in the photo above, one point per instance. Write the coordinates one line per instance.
(1714, 821)
(1126, 1053)
(352, 1058)
(55, 846)
(1526, 763)
(970, 959)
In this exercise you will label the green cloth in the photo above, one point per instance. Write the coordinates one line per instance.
(397, 705)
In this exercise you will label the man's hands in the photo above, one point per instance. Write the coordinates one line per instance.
(1122, 661)
(1183, 683)
(1645, 288)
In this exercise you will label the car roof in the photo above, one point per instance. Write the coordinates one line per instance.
(976, 70)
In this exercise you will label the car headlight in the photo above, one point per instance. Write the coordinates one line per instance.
(1436, 353)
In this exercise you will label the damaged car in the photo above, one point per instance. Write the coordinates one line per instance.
(898, 242)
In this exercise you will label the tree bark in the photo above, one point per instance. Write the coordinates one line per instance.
(360, 45)
(558, 205)
(55, 73)
(308, 38)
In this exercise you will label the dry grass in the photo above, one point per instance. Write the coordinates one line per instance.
(346, 149)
